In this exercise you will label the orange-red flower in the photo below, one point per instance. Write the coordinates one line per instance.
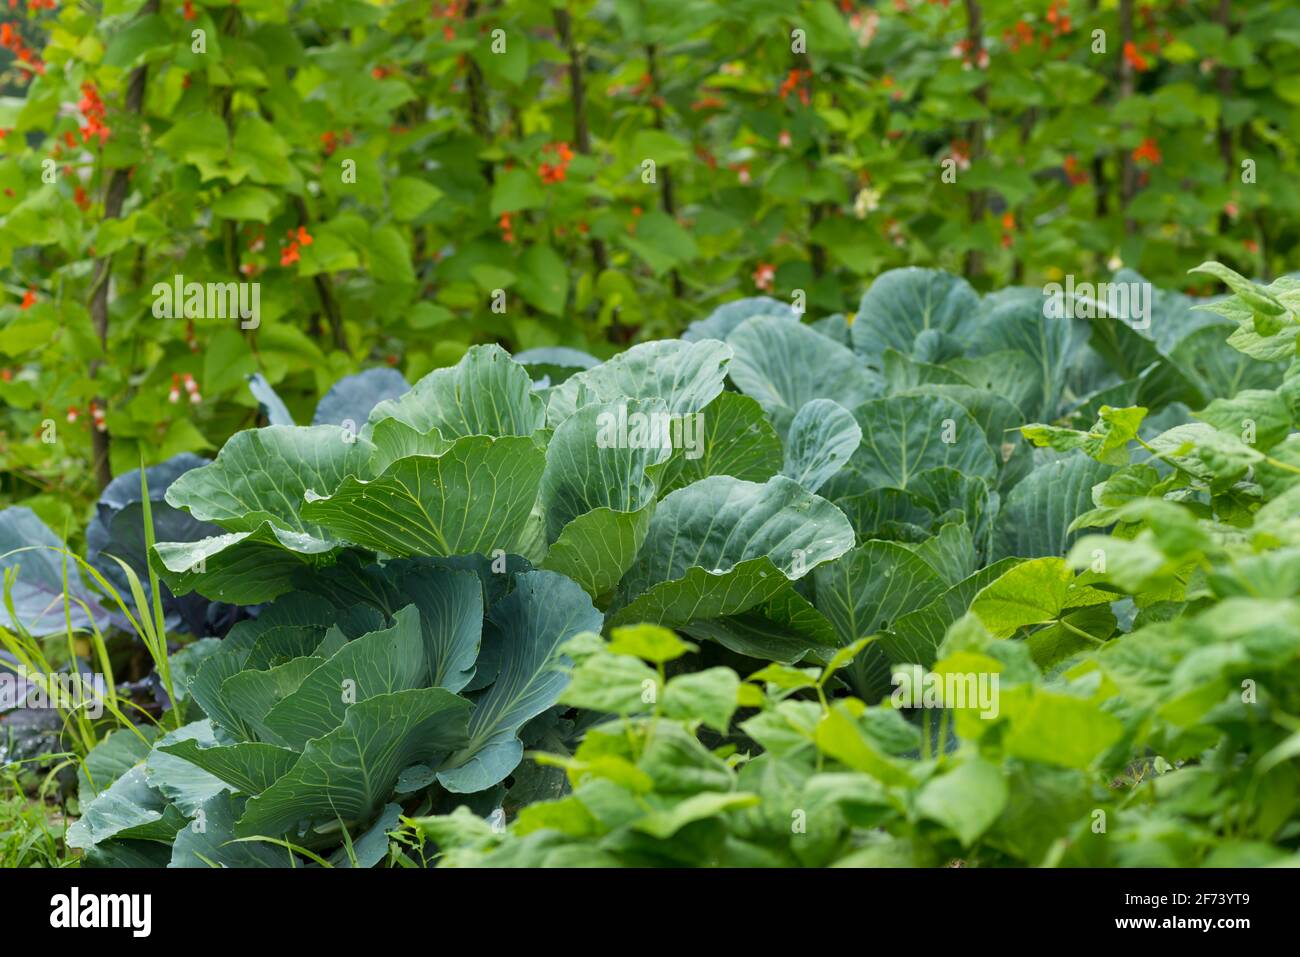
(764, 275)
(1135, 59)
(1061, 21)
(297, 239)
(796, 81)
(92, 108)
(1148, 150)
(12, 41)
(1022, 34)
(1008, 227)
(29, 299)
(1074, 172)
(555, 172)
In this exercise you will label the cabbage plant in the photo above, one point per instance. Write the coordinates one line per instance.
(775, 490)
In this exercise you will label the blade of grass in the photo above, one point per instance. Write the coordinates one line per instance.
(294, 848)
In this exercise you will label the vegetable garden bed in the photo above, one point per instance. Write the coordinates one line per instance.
(773, 593)
(649, 433)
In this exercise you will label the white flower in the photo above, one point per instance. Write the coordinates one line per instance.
(867, 201)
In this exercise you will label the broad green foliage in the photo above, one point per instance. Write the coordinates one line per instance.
(320, 713)
(485, 394)
(33, 555)
(1049, 771)
(684, 375)
(784, 364)
(907, 303)
(1096, 613)
(1203, 679)
(406, 179)
(822, 437)
(581, 415)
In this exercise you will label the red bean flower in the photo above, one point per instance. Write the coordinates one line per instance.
(556, 167)
(1149, 151)
(1135, 59)
(92, 108)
